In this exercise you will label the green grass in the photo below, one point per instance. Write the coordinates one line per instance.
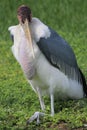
(17, 100)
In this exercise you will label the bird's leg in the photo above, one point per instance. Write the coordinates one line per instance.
(41, 99)
(52, 104)
(36, 117)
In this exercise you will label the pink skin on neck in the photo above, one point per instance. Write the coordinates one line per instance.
(19, 18)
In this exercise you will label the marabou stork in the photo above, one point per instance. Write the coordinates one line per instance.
(47, 60)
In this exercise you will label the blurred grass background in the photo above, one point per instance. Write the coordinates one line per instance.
(17, 100)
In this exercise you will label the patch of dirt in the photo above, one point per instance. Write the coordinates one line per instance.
(63, 126)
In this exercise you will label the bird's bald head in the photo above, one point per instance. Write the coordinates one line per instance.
(23, 13)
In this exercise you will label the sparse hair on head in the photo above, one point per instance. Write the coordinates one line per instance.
(24, 12)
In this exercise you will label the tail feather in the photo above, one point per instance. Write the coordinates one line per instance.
(83, 82)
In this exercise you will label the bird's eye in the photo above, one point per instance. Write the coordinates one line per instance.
(12, 37)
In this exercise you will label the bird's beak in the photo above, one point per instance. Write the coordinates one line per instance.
(26, 29)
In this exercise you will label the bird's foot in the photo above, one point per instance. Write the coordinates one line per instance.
(36, 117)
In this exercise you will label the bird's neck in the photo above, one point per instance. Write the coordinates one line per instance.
(39, 29)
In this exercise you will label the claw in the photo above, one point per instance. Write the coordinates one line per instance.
(36, 117)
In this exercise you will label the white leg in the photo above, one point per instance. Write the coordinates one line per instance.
(52, 104)
(36, 117)
(40, 99)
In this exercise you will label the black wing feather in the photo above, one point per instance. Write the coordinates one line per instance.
(60, 55)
